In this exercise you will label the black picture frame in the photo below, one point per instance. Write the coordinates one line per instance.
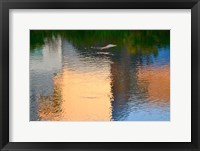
(5, 5)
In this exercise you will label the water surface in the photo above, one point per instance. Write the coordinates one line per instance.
(100, 75)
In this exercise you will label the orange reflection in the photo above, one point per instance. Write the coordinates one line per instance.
(156, 81)
(50, 106)
(85, 97)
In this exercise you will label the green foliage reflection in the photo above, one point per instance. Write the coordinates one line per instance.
(135, 41)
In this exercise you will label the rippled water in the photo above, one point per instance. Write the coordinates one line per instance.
(81, 83)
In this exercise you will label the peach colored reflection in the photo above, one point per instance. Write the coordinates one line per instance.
(85, 97)
(49, 107)
(156, 81)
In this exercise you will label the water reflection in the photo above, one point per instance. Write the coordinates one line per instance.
(73, 80)
(156, 82)
(45, 62)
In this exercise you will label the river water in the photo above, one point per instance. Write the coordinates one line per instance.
(92, 82)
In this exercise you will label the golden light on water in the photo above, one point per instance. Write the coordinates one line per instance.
(85, 97)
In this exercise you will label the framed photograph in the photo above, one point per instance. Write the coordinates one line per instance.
(99, 75)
